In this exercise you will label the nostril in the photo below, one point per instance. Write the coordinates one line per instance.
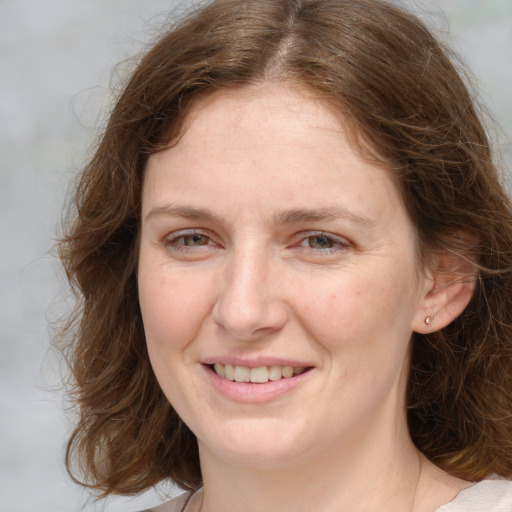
(249, 321)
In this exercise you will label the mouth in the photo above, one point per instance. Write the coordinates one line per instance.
(259, 375)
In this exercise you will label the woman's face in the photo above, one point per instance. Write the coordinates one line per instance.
(272, 253)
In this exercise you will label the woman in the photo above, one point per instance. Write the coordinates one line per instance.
(292, 250)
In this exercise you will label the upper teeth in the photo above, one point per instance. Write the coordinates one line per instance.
(259, 375)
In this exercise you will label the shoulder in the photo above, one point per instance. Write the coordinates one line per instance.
(485, 496)
(176, 505)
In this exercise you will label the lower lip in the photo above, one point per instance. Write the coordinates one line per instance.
(250, 392)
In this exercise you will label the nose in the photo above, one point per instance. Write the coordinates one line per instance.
(249, 304)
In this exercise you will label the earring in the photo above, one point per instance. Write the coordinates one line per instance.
(428, 320)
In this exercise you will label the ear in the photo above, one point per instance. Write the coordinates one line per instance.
(448, 290)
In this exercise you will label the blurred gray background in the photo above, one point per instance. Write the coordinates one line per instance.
(56, 61)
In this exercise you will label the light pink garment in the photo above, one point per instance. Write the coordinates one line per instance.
(485, 496)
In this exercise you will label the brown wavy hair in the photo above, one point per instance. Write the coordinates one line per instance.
(409, 110)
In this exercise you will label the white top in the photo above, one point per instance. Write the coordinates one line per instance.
(485, 496)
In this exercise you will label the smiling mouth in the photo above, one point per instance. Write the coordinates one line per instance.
(260, 375)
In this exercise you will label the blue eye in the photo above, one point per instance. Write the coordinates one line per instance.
(319, 242)
(324, 242)
(193, 240)
(188, 242)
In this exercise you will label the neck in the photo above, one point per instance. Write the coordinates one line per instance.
(373, 471)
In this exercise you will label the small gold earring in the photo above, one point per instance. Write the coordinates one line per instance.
(428, 320)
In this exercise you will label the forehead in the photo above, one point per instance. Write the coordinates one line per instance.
(280, 106)
(289, 108)
(270, 146)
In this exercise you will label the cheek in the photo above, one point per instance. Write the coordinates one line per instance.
(172, 308)
(172, 314)
(336, 306)
(366, 316)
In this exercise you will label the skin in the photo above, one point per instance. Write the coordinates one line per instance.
(266, 237)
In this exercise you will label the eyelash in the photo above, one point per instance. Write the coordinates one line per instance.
(172, 241)
(338, 244)
(175, 242)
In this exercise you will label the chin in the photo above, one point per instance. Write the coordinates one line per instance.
(265, 444)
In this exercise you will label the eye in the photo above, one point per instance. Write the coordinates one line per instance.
(193, 240)
(189, 242)
(323, 243)
(318, 242)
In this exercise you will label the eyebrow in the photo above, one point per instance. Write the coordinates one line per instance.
(188, 212)
(319, 214)
(293, 216)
